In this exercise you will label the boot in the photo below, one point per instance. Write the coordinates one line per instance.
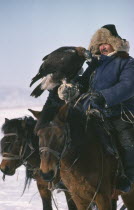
(125, 181)
(128, 161)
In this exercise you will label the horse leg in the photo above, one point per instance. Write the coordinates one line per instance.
(123, 208)
(70, 202)
(45, 195)
(128, 199)
(114, 204)
(103, 202)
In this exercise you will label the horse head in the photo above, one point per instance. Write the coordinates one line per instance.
(16, 144)
(53, 141)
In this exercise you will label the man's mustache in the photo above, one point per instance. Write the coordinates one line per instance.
(104, 50)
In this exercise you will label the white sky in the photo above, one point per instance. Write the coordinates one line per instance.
(30, 29)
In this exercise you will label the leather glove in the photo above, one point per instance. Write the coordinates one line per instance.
(95, 100)
(98, 99)
(68, 92)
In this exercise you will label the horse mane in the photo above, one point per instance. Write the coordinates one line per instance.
(93, 128)
(85, 128)
(16, 123)
(28, 179)
(77, 122)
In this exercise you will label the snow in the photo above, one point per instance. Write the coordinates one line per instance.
(11, 97)
(11, 189)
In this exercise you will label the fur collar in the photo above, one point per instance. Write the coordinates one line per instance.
(104, 36)
(112, 53)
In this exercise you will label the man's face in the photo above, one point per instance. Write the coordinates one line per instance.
(105, 49)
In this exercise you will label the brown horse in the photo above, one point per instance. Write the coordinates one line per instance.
(87, 171)
(20, 146)
(84, 168)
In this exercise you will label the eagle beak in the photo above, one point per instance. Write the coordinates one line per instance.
(87, 55)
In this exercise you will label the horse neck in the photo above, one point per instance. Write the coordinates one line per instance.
(81, 161)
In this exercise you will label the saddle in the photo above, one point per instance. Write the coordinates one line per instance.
(108, 140)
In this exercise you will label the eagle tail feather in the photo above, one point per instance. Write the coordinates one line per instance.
(34, 79)
(37, 91)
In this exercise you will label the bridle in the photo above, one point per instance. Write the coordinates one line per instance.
(10, 155)
(57, 154)
(21, 151)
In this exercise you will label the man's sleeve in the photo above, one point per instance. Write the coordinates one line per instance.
(53, 99)
(124, 89)
(84, 80)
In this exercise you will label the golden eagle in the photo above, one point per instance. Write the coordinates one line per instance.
(62, 64)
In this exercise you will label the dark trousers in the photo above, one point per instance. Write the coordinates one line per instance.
(125, 138)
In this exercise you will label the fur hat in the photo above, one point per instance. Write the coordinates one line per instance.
(108, 34)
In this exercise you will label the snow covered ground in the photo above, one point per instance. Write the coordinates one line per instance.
(11, 189)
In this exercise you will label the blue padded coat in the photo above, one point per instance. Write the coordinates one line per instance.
(114, 78)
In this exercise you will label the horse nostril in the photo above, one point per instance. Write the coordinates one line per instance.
(48, 176)
(51, 173)
(6, 169)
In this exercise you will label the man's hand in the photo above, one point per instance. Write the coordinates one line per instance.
(98, 99)
(95, 100)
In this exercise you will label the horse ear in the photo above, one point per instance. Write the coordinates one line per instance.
(63, 113)
(36, 114)
(6, 120)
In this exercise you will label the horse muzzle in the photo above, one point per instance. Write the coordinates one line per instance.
(7, 171)
(49, 176)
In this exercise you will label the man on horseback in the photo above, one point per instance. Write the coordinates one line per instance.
(109, 86)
